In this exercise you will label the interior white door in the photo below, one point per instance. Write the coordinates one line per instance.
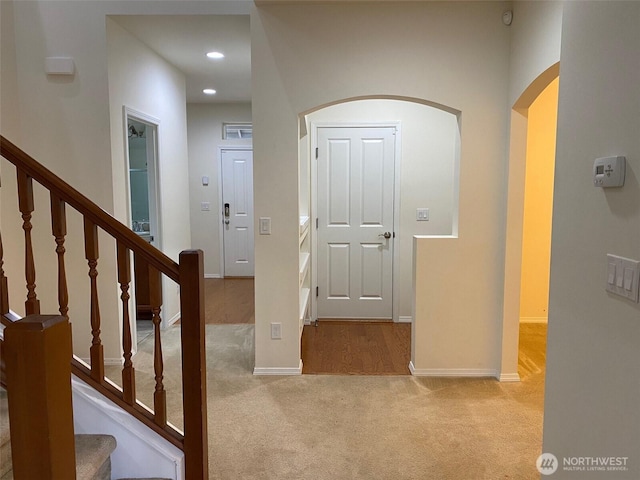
(237, 212)
(355, 222)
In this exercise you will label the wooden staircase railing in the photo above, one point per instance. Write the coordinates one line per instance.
(188, 274)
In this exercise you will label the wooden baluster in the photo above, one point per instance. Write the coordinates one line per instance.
(25, 204)
(59, 231)
(194, 366)
(4, 287)
(128, 372)
(96, 352)
(160, 395)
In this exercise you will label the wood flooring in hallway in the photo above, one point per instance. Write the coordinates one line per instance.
(356, 348)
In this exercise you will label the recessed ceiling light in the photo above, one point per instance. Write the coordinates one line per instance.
(215, 55)
(209, 91)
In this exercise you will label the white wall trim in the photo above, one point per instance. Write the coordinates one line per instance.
(140, 451)
(278, 370)
(451, 372)
(509, 377)
(534, 319)
(172, 320)
(405, 319)
(212, 275)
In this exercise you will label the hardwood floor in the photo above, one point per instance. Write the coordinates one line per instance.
(356, 348)
(532, 356)
(229, 300)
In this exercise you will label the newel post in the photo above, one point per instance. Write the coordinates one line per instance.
(194, 372)
(38, 364)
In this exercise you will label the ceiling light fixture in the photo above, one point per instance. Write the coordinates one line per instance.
(215, 55)
(209, 91)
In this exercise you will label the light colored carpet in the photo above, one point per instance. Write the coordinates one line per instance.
(353, 427)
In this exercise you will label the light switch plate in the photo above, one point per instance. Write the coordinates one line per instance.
(422, 214)
(276, 331)
(205, 206)
(264, 225)
(623, 277)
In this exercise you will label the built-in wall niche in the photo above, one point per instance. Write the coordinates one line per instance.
(427, 175)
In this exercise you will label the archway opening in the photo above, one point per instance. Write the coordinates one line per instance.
(423, 196)
(529, 218)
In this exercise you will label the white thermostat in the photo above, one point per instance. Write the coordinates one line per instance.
(609, 171)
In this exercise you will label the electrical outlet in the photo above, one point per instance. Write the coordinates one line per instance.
(276, 331)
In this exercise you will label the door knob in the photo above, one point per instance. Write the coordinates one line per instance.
(385, 235)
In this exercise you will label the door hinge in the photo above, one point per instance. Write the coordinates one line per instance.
(317, 291)
(316, 153)
(316, 223)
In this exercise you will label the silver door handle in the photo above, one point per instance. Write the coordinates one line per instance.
(385, 235)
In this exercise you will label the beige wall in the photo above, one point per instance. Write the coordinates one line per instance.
(591, 393)
(56, 122)
(538, 204)
(311, 55)
(204, 131)
(140, 79)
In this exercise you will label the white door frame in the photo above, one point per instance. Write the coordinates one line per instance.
(153, 173)
(396, 207)
(221, 149)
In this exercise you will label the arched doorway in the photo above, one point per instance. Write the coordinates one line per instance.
(423, 194)
(534, 143)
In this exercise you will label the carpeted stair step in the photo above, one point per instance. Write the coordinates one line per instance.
(93, 458)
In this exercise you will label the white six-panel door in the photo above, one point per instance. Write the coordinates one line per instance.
(355, 194)
(237, 192)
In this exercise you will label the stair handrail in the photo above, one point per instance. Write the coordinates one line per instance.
(88, 208)
(188, 273)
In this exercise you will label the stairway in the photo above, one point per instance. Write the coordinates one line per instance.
(93, 452)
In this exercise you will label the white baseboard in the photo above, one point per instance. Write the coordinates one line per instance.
(509, 377)
(451, 372)
(534, 320)
(212, 275)
(278, 370)
(173, 319)
(405, 319)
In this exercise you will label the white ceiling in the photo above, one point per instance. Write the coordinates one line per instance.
(184, 41)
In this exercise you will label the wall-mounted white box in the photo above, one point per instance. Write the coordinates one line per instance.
(59, 66)
(623, 277)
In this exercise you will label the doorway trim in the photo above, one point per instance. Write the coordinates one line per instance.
(396, 206)
(221, 149)
(514, 223)
(154, 175)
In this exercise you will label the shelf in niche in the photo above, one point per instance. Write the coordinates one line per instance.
(304, 302)
(304, 227)
(304, 264)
